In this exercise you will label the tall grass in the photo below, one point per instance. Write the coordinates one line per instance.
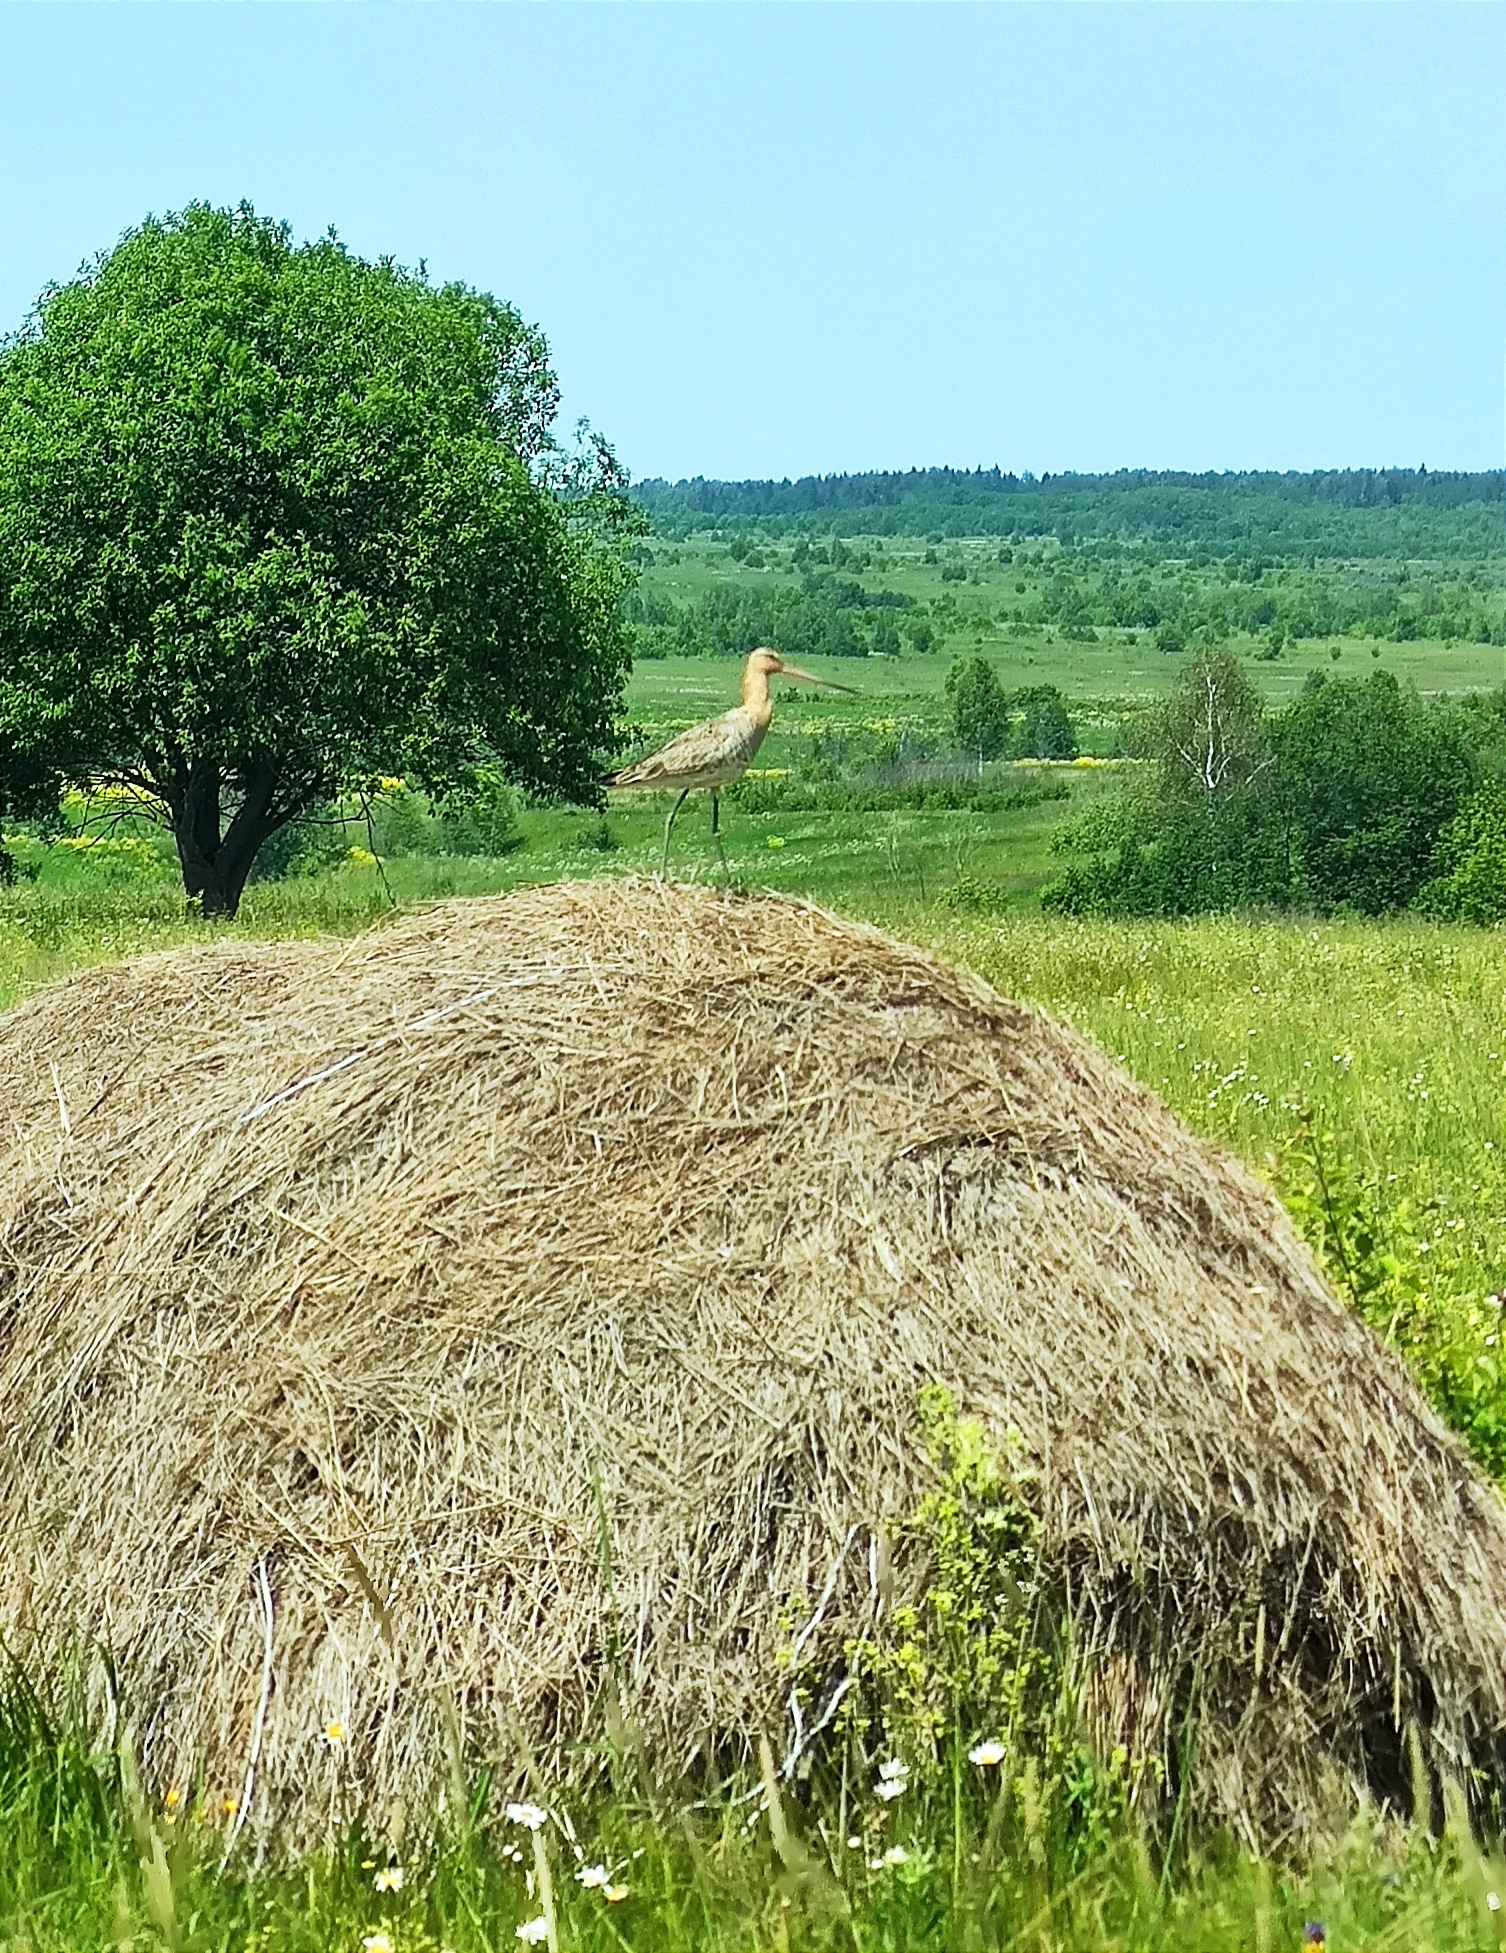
(959, 1861)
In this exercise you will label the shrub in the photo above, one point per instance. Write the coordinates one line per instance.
(485, 823)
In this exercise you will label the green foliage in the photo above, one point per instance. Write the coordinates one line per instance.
(1383, 1254)
(975, 1680)
(971, 1657)
(274, 519)
(1470, 885)
(1246, 520)
(979, 710)
(1200, 836)
(826, 617)
(975, 895)
(1335, 803)
(1045, 730)
(1369, 777)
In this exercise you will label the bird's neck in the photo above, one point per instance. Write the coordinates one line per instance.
(756, 695)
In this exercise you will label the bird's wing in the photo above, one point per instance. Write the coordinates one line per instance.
(715, 742)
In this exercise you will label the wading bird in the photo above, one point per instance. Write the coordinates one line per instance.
(718, 751)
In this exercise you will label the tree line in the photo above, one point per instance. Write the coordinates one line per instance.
(1347, 513)
(1357, 797)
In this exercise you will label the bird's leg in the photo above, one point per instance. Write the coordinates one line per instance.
(664, 858)
(717, 839)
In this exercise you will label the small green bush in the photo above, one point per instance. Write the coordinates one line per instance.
(485, 823)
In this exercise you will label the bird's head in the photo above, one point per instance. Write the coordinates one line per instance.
(768, 664)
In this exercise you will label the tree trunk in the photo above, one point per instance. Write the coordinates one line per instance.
(215, 866)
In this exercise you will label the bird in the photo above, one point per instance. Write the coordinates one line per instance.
(712, 755)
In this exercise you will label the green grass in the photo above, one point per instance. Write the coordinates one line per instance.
(1382, 1046)
(970, 1863)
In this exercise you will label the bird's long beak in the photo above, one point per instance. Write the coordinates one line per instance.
(794, 671)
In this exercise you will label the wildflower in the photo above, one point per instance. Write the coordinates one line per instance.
(390, 1879)
(593, 1877)
(893, 1779)
(854, 1844)
(229, 1806)
(534, 1931)
(896, 1855)
(986, 1755)
(528, 1815)
(615, 1894)
(378, 1943)
(1314, 1935)
(334, 1734)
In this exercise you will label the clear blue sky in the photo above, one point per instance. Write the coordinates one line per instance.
(784, 238)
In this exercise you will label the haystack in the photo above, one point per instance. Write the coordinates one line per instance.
(403, 1333)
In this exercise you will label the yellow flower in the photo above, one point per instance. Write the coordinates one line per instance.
(229, 1806)
(378, 1943)
(615, 1894)
(334, 1733)
(173, 1798)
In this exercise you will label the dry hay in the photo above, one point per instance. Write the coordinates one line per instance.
(361, 1266)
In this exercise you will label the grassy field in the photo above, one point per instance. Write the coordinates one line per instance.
(1362, 1067)
(990, 611)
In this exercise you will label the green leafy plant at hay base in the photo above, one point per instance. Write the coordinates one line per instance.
(973, 1689)
(1391, 1261)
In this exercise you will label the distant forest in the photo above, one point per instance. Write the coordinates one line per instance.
(1355, 512)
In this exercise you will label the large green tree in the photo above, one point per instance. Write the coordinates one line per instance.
(979, 708)
(274, 520)
(1369, 778)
